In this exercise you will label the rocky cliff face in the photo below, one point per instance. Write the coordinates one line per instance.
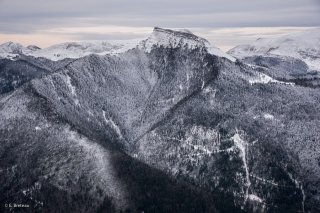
(170, 125)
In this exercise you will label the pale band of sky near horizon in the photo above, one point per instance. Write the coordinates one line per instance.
(225, 23)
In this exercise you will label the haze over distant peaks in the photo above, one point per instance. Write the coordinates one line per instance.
(301, 45)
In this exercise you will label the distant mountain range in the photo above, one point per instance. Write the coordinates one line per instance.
(302, 45)
(169, 123)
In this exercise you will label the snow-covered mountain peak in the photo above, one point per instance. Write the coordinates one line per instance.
(84, 48)
(33, 47)
(303, 45)
(172, 39)
(179, 38)
(12, 49)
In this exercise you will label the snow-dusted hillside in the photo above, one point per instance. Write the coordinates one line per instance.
(302, 45)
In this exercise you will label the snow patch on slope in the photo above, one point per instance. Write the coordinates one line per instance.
(254, 197)
(265, 79)
(268, 116)
(263, 180)
(242, 146)
(112, 124)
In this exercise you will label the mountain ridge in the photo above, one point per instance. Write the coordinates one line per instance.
(300, 45)
(154, 130)
(159, 36)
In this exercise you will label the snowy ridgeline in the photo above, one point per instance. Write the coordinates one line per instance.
(159, 37)
(68, 50)
(302, 45)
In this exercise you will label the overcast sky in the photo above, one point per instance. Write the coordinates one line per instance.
(224, 22)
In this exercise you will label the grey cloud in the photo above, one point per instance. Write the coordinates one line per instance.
(109, 36)
(30, 16)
